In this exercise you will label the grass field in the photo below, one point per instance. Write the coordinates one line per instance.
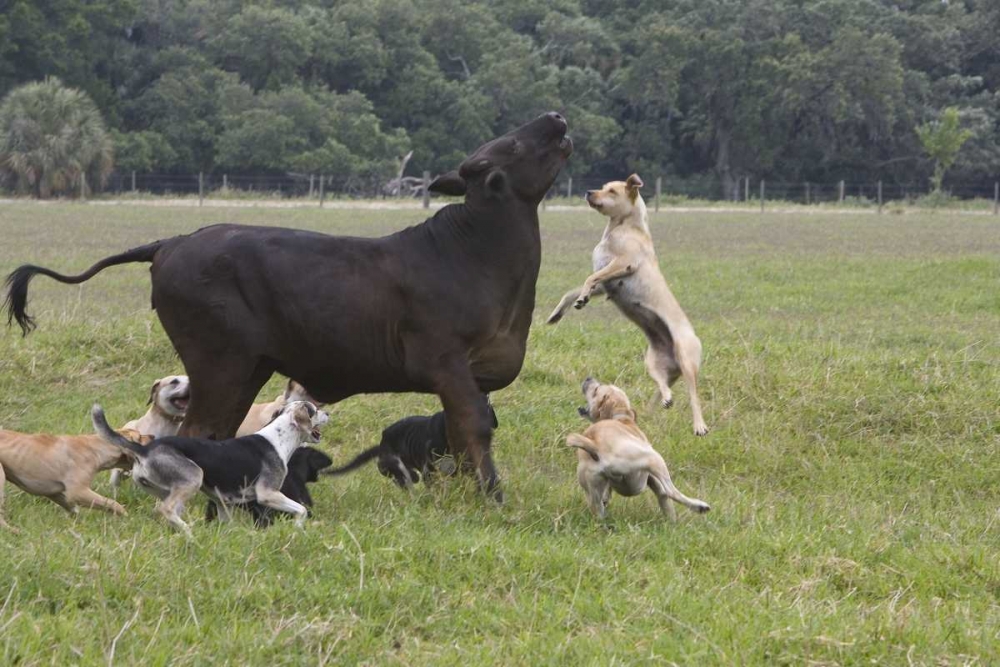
(851, 380)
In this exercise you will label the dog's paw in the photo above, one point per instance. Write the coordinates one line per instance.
(667, 403)
(581, 302)
(554, 317)
(702, 507)
(700, 430)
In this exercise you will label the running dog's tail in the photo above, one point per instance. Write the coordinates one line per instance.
(111, 436)
(358, 461)
(17, 282)
(584, 443)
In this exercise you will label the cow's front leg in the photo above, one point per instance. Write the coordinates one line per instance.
(469, 422)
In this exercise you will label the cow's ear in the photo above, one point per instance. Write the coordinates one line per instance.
(496, 181)
(448, 184)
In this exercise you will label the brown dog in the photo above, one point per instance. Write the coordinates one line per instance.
(614, 455)
(262, 414)
(61, 467)
(626, 269)
(168, 401)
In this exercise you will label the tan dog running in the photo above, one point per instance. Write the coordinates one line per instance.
(262, 414)
(626, 269)
(614, 455)
(168, 402)
(61, 467)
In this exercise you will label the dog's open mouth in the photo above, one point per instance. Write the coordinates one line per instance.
(181, 402)
(314, 435)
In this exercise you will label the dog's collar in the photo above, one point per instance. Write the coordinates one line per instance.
(622, 415)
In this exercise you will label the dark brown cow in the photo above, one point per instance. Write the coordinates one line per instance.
(443, 307)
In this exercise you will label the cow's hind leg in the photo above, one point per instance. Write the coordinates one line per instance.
(223, 387)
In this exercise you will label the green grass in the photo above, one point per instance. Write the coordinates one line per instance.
(850, 380)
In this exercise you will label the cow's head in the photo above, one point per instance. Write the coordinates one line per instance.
(521, 164)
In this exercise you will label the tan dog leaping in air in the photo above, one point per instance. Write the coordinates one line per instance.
(614, 455)
(626, 269)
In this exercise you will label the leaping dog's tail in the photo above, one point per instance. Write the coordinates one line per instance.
(358, 461)
(111, 436)
(584, 443)
(17, 282)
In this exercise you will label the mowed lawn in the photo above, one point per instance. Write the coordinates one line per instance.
(851, 381)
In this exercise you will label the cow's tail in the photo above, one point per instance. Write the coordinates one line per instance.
(17, 282)
(358, 461)
(111, 436)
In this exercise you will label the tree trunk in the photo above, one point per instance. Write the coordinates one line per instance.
(723, 170)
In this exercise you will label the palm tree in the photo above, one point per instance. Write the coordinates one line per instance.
(49, 136)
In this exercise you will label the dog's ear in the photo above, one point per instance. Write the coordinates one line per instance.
(632, 185)
(152, 392)
(301, 417)
(318, 460)
(448, 184)
(289, 389)
(633, 415)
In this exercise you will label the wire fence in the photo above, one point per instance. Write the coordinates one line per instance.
(567, 190)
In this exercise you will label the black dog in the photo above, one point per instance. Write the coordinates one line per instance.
(410, 449)
(303, 467)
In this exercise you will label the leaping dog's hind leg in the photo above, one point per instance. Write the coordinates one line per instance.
(658, 364)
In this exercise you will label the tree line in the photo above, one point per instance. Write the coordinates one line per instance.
(705, 91)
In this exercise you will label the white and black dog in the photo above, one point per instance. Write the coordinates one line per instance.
(229, 472)
(410, 449)
(303, 468)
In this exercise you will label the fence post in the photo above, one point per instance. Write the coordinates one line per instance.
(569, 188)
(225, 181)
(427, 189)
(311, 177)
(880, 196)
(83, 186)
(322, 180)
(746, 188)
(659, 189)
(201, 188)
(996, 198)
(841, 198)
(762, 195)
(807, 194)
(133, 181)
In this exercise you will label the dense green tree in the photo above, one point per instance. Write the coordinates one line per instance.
(942, 140)
(51, 135)
(706, 91)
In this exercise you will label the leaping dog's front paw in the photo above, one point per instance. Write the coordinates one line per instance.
(581, 302)
(554, 317)
(700, 430)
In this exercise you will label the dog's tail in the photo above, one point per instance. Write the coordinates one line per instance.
(17, 282)
(111, 436)
(358, 461)
(584, 443)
